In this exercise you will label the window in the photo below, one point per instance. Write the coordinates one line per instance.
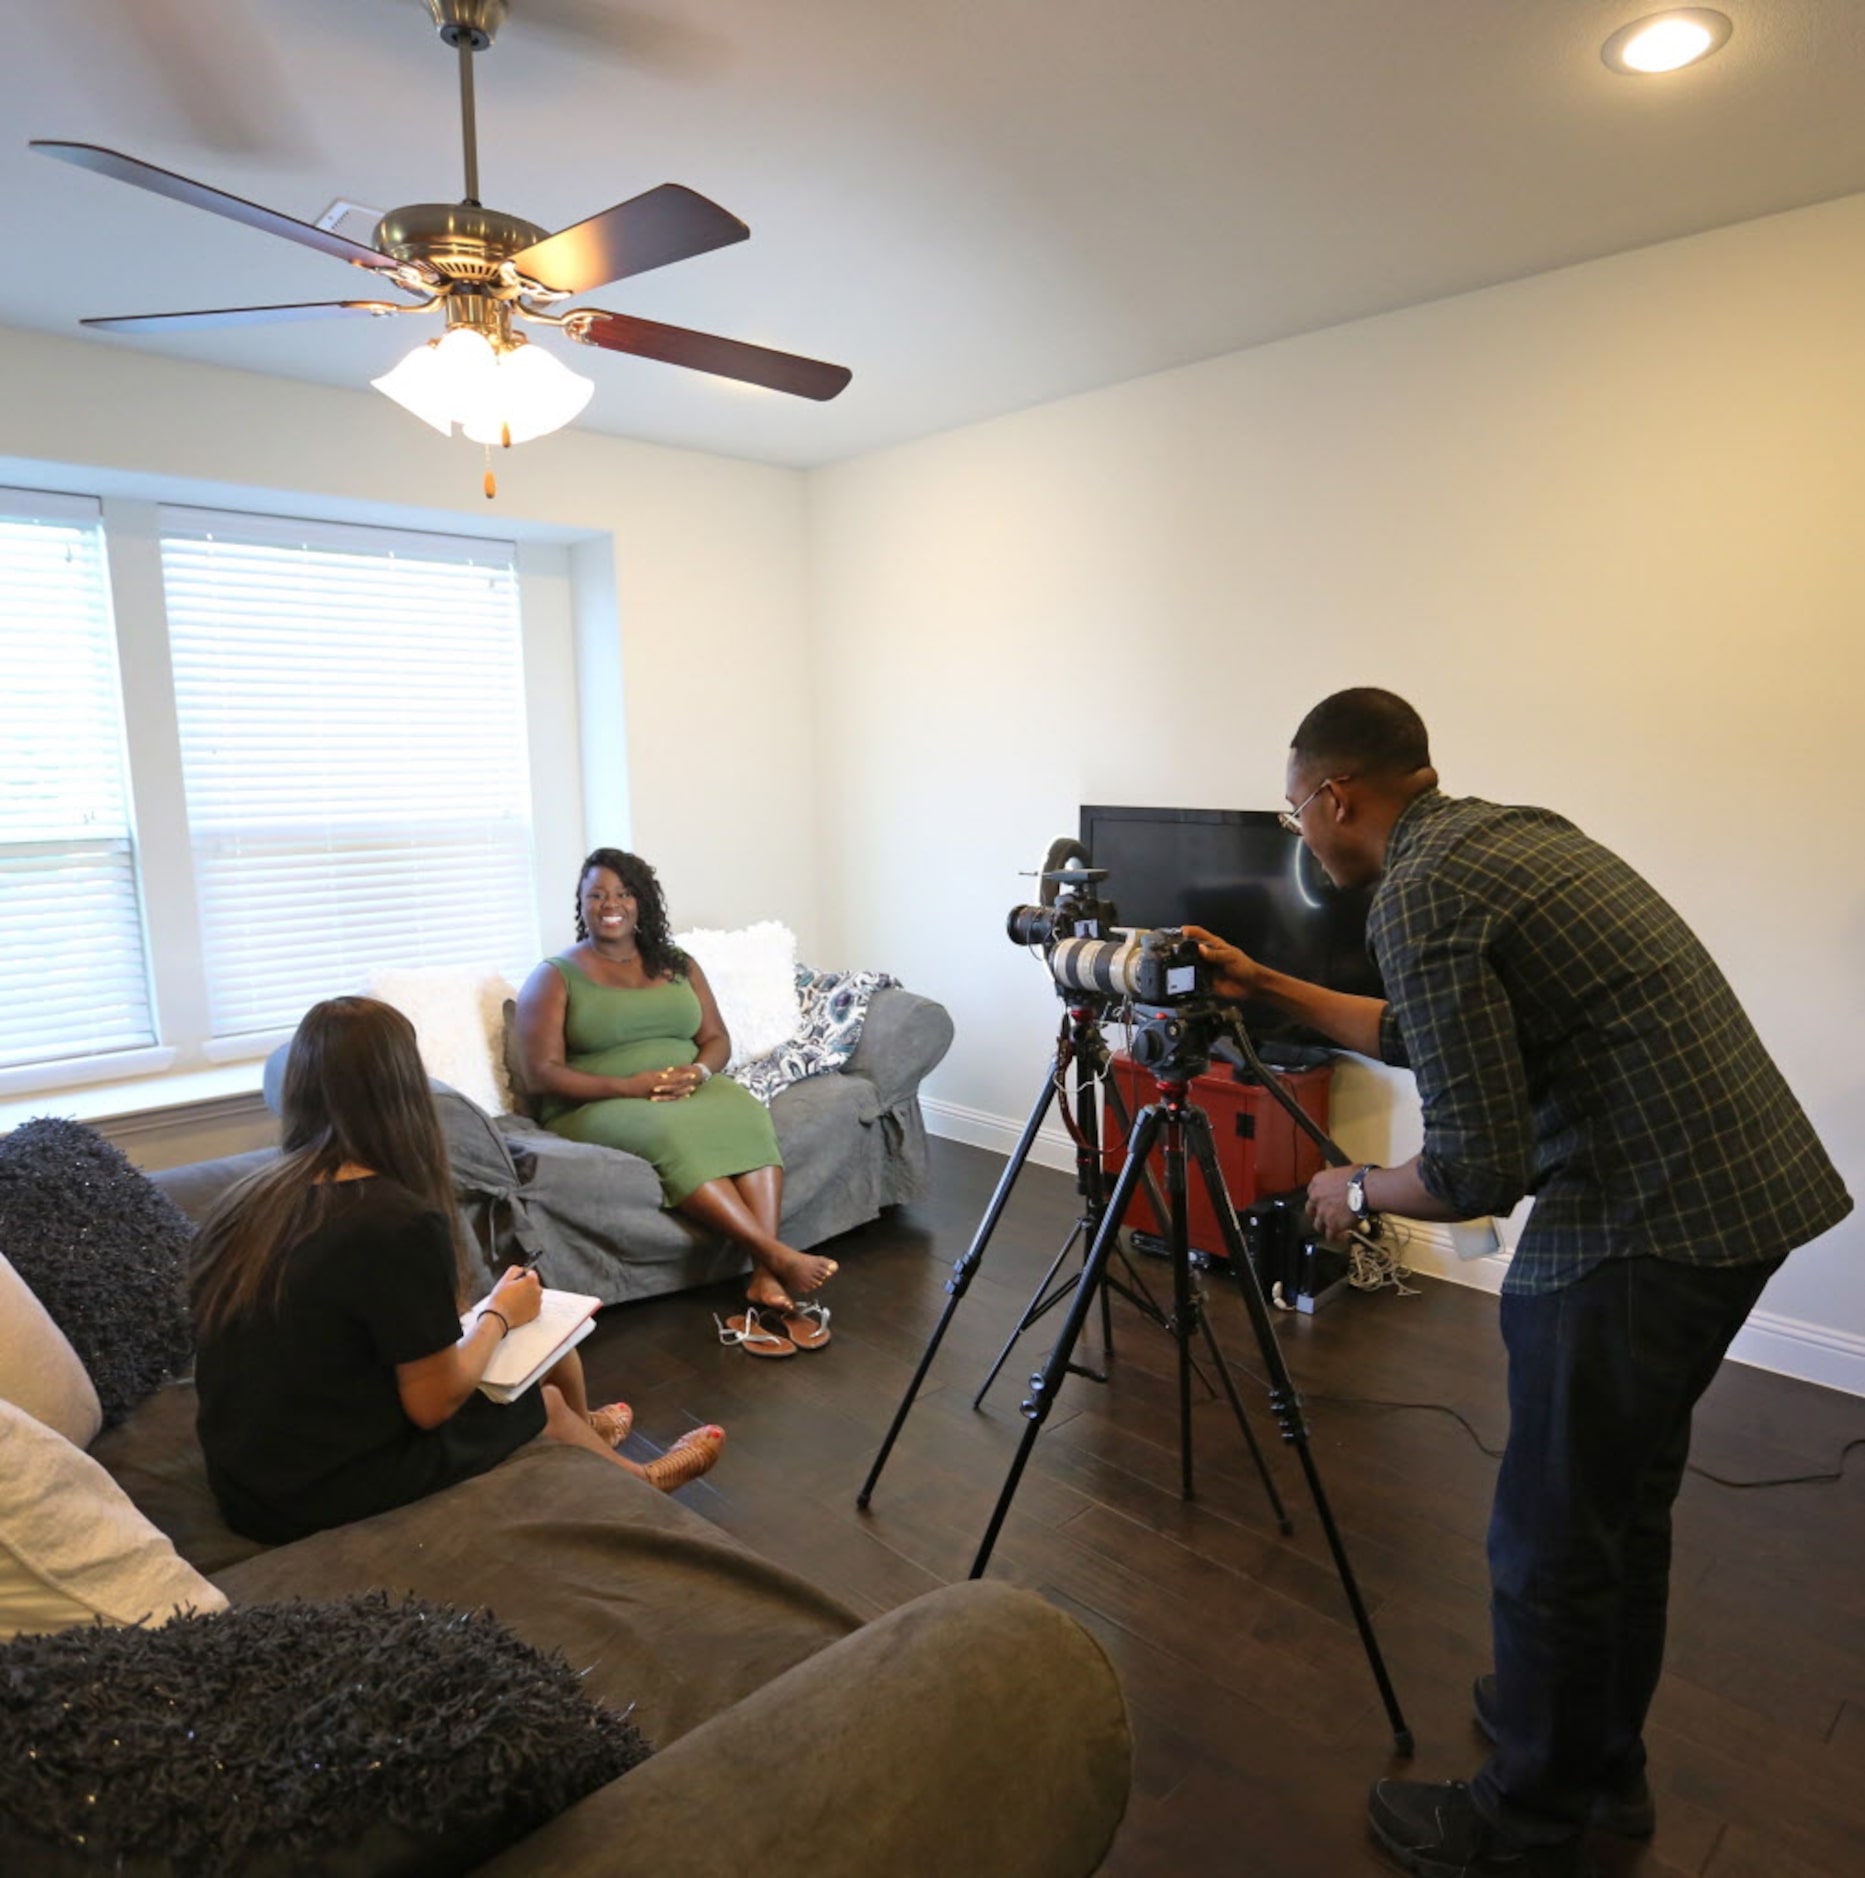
(350, 704)
(74, 979)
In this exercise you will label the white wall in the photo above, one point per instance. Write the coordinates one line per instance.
(1600, 526)
(708, 593)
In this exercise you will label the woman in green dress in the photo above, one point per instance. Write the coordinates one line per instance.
(622, 1044)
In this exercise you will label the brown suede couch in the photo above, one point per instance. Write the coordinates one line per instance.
(975, 1731)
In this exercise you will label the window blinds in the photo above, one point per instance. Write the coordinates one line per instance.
(351, 710)
(74, 978)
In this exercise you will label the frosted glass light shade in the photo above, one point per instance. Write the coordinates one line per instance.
(443, 379)
(522, 393)
(530, 394)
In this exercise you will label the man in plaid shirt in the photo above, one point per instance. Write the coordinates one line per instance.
(1572, 1039)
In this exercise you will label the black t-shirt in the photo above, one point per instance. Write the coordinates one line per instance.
(300, 1418)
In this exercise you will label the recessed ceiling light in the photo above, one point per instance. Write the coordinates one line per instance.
(1666, 42)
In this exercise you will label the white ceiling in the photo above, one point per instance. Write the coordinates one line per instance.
(977, 204)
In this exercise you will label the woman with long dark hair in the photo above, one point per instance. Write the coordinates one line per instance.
(622, 1044)
(332, 1375)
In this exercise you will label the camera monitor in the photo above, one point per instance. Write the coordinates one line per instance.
(1241, 875)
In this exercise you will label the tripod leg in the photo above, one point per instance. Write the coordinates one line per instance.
(1047, 1380)
(1178, 1238)
(1286, 1401)
(1118, 1103)
(1040, 1301)
(960, 1281)
(1087, 1051)
(1091, 1082)
(1198, 1128)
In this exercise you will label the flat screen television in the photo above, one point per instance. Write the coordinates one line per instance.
(1238, 873)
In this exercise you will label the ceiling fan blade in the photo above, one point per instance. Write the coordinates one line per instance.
(129, 169)
(248, 316)
(671, 223)
(705, 352)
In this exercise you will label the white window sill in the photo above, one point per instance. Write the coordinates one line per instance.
(116, 1066)
(140, 1095)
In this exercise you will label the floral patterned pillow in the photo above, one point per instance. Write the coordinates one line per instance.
(835, 1006)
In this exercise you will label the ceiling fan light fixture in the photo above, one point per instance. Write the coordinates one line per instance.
(495, 396)
(1667, 42)
(439, 380)
(529, 394)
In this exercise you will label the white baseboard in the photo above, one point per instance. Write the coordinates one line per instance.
(978, 1128)
(1430, 1250)
(1791, 1347)
(1786, 1345)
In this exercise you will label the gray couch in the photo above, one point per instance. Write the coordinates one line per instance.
(853, 1142)
(975, 1730)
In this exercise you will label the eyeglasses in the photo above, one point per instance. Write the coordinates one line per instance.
(1291, 819)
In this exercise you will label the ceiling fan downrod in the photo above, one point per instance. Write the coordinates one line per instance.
(469, 26)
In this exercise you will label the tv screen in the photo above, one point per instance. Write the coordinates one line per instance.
(1240, 874)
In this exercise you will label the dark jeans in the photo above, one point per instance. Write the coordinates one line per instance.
(1603, 1376)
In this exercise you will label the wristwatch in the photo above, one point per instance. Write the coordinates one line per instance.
(1356, 1190)
(705, 1073)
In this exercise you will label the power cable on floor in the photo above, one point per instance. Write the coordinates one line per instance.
(1826, 1479)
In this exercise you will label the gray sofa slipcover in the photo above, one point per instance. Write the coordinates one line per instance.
(853, 1142)
(973, 1730)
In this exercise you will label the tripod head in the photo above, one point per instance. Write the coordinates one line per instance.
(1176, 1042)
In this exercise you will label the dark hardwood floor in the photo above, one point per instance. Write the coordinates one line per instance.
(1256, 1721)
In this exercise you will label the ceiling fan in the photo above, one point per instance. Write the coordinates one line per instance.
(481, 269)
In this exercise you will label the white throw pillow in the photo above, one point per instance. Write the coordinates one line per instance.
(39, 1370)
(753, 975)
(458, 1013)
(72, 1544)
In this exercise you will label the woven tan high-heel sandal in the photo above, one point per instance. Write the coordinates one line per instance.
(613, 1423)
(687, 1459)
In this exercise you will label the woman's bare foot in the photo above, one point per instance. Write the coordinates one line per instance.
(765, 1292)
(796, 1271)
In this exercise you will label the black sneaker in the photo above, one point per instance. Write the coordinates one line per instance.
(1435, 1831)
(1628, 1814)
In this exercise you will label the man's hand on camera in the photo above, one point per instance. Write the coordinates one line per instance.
(1236, 973)
(1327, 1203)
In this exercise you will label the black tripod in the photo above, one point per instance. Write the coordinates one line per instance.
(1082, 1049)
(1167, 1126)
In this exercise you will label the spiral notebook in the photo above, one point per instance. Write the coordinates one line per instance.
(530, 1351)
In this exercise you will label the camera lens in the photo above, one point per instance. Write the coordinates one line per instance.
(1031, 925)
(1105, 966)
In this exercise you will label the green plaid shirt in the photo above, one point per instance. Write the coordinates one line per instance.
(1572, 1039)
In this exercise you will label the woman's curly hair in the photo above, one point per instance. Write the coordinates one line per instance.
(660, 957)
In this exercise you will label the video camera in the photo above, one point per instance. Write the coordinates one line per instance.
(1156, 973)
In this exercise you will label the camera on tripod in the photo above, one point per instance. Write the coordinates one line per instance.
(1156, 974)
(1069, 904)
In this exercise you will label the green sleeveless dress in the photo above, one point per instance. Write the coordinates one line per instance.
(721, 1129)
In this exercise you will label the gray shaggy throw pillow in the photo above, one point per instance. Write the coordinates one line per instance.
(104, 1251)
(358, 1735)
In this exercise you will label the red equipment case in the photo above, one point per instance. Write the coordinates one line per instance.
(1260, 1150)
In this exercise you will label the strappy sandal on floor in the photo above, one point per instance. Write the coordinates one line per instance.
(687, 1459)
(751, 1336)
(806, 1324)
(613, 1423)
